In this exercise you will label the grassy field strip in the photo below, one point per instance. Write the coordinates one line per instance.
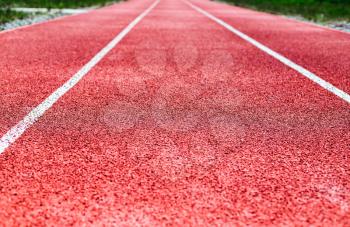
(11, 10)
(59, 4)
(45, 10)
(314, 10)
(7, 15)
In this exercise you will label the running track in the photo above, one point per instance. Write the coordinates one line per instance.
(177, 121)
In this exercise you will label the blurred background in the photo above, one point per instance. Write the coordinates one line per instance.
(53, 3)
(11, 9)
(316, 10)
(312, 10)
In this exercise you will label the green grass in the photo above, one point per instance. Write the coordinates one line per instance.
(316, 10)
(54, 3)
(7, 15)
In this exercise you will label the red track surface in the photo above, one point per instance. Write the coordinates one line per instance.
(183, 123)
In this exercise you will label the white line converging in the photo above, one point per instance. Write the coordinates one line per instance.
(16, 131)
(326, 85)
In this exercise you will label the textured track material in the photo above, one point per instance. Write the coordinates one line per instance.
(182, 123)
(319, 49)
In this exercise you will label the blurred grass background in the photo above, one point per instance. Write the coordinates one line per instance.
(53, 3)
(316, 10)
(7, 15)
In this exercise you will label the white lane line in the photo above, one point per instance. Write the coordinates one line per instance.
(326, 85)
(16, 131)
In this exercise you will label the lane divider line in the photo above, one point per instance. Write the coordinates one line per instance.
(16, 131)
(326, 85)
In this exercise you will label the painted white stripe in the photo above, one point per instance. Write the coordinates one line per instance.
(15, 132)
(326, 85)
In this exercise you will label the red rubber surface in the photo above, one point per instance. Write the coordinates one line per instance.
(319, 49)
(183, 123)
(36, 60)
